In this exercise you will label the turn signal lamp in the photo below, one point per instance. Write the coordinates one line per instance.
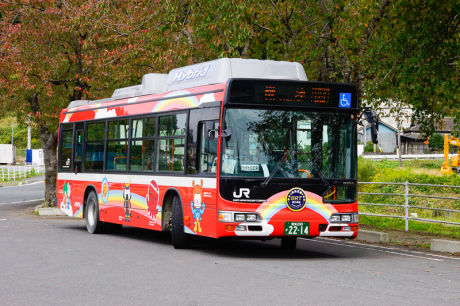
(230, 228)
(354, 228)
(225, 217)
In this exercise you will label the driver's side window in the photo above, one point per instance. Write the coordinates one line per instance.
(208, 152)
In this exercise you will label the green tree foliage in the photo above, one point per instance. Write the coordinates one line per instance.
(53, 51)
(436, 141)
(416, 59)
(57, 52)
(20, 134)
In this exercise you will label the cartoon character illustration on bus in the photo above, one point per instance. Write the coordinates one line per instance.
(65, 204)
(127, 202)
(152, 199)
(197, 205)
(105, 190)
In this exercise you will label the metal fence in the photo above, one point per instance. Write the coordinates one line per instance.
(13, 173)
(406, 205)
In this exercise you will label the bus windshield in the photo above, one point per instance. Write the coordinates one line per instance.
(295, 144)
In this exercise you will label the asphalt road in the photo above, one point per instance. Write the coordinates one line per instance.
(46, 261)
(27, 192)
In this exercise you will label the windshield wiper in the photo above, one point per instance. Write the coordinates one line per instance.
(325, 182)
(265, 183)
(321, 176)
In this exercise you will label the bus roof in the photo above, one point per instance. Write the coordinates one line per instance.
(207, 73)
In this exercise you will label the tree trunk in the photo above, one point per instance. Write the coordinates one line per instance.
(49, 145)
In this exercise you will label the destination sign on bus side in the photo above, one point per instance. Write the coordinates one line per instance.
(293, 93)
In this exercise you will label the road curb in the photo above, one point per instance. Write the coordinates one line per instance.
(49, 211)
(371, 236)
(440, 245)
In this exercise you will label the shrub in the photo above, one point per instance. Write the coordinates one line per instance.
(366, 169)
(369, 147)
(436, 142)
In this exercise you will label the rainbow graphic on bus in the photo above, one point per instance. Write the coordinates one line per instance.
(277, 203)
(170, 102)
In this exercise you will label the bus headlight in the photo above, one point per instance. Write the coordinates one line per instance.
(251, 218)
(346, 218)
(240, 218)
(335, 219)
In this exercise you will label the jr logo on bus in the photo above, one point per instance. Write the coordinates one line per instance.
(191, 74)
(242, 191)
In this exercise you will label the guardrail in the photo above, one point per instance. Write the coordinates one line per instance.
(13, 173)
(406, 205)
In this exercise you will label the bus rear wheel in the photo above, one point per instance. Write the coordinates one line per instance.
(180, 239)
(289, 243)
(93, 224)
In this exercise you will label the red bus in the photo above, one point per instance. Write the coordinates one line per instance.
(230, 148)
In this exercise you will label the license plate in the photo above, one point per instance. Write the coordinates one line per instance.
(296, 228)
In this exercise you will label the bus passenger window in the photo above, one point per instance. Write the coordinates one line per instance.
(173, 125)
(66, 147)
(117, 145)
(94, 146)
(141, 155)
(170, 155)
(142, 148)
(208, 152)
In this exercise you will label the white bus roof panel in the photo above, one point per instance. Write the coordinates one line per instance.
(219, 71)
(207, 73)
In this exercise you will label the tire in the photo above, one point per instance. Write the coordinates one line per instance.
(289, 243)
(180, 239)
(93, 224)
(113, 228)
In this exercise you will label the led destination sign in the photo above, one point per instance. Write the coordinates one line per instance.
(280, 93)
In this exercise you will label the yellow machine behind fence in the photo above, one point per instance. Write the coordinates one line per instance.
(450, 140)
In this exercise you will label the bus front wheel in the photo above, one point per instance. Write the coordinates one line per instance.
(289, 243)
(93, 224)
(180, 239)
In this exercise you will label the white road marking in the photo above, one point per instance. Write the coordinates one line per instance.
(22, 201)
(3, 219)
(372, 249)
(416, 252)
(23, 185)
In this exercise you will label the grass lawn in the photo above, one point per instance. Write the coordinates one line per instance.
(413, 171)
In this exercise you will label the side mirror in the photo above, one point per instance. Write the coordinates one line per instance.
(375, 133)
(209, 132)
(370, 115)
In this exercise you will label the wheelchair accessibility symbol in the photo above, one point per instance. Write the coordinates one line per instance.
(345, 100)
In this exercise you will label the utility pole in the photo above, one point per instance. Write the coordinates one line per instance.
(399, 143)
(29, 136)
(12, 132)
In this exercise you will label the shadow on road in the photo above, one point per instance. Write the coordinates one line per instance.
(252, 249)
